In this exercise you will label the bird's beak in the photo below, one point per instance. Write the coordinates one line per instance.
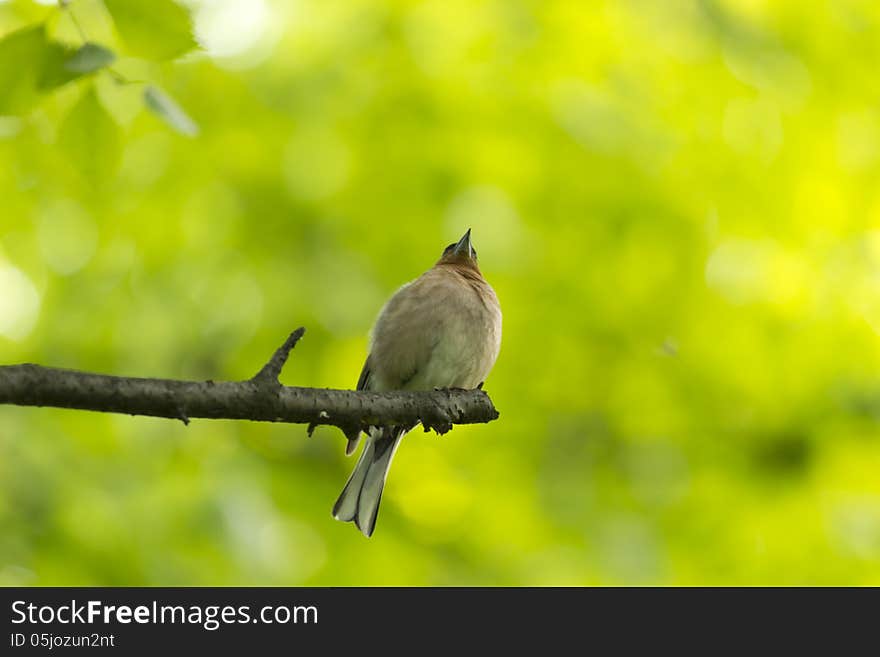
(464, 245)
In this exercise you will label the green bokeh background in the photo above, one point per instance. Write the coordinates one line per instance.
(677, 203)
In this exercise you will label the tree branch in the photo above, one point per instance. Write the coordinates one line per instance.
(261, 398)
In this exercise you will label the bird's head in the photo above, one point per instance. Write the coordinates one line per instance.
(461, 253)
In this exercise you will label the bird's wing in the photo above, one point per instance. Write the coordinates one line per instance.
(364, 379)
(406, 333)
(362, 384)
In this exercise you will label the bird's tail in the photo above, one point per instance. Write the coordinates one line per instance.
(359, 500)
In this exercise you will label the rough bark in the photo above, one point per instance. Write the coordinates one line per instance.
(261, 398)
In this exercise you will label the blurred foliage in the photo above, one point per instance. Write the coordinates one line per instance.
(677, 203)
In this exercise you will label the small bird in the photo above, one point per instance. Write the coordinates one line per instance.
(442, 330)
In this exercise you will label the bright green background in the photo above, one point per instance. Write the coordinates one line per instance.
(677, 203)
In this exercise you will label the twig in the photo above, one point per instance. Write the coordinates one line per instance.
(272, 369)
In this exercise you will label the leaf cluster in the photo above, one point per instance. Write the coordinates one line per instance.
(34, 63)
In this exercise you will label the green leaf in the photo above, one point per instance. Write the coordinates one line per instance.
(163, 106)
(91, 139)
(54, 72)
(90, 58)
(154, 29)
(30, 64)
(21, 65)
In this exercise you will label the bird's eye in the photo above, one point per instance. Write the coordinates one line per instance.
(473, 253)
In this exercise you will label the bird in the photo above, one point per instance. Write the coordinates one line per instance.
(441, 330)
